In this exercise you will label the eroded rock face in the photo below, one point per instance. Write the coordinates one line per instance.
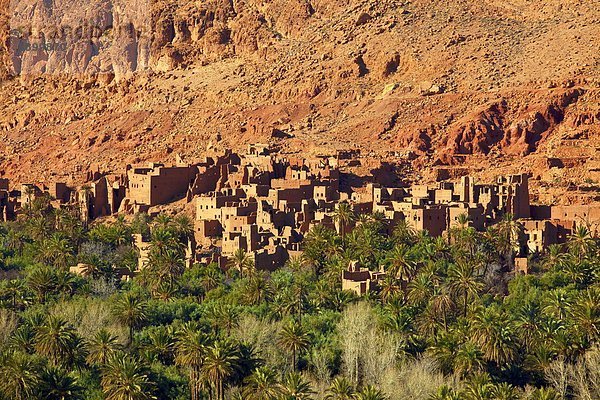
(80, 37)
(426, 84)
(124, 36)
(511, 130)
(479, 133)
(5, 62)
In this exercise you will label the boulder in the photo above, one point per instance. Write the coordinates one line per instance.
(363, 18)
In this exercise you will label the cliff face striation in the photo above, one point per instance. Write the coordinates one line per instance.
(477, 84)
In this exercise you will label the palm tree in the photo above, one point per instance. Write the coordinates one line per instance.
(540, 358)
(320, 296)
(378, 217)
(404, 233)
(363, 219)
(166, 258)
(166, 265)
(343, 215)
(116, 234)
(65, 283)
(565, 344)
(240, 260)
(295, 301)
(341, 298)
(441, 248)
(42, 280)
(162, 221)
(226, 317)
(444, 350)
(581, 243)
(295, 339)
(554, 258)
(463, 220)
(318, 245)
(262, 385)
(257, 290)
(479, 387)
(493, 332)
(130, 311)
(388, 288)
(22, 339)
(39, 227)
(212, 277)
(528, 323)
(427, 323)
(161, 345)
(20, 377)
(579, 272)
(121, 233)
(162, 240)
(586, 313)
(102, 347)
(57, 251)
(370, 393)
(461, 235)
(340, 389)
(15, 241)
(190, 349)
(293, 387)
(397, 319)
(57, 341)
(442, 304)
(463, 283)
(366, 245)
(165, 290)
(544, 394)
(420, 289)
(59, 385)
(446, 393)
(557, 303)
(296, 263)
(468, 359)
(92, 268)
(402, 263)
(510, 233)
(220, 363)
(504, 391)
(183, 227)
(126, 378)
(14, 291)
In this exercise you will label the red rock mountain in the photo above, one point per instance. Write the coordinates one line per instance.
(438, 88)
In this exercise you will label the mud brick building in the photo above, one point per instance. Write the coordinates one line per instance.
(360, 280)
(265, 204)
(158, 184)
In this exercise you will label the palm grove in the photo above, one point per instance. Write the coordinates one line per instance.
(448, 321)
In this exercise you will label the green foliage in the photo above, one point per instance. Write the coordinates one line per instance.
(448, 321)
(126, 378)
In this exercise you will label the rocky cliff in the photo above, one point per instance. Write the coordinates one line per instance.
(425, 84)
